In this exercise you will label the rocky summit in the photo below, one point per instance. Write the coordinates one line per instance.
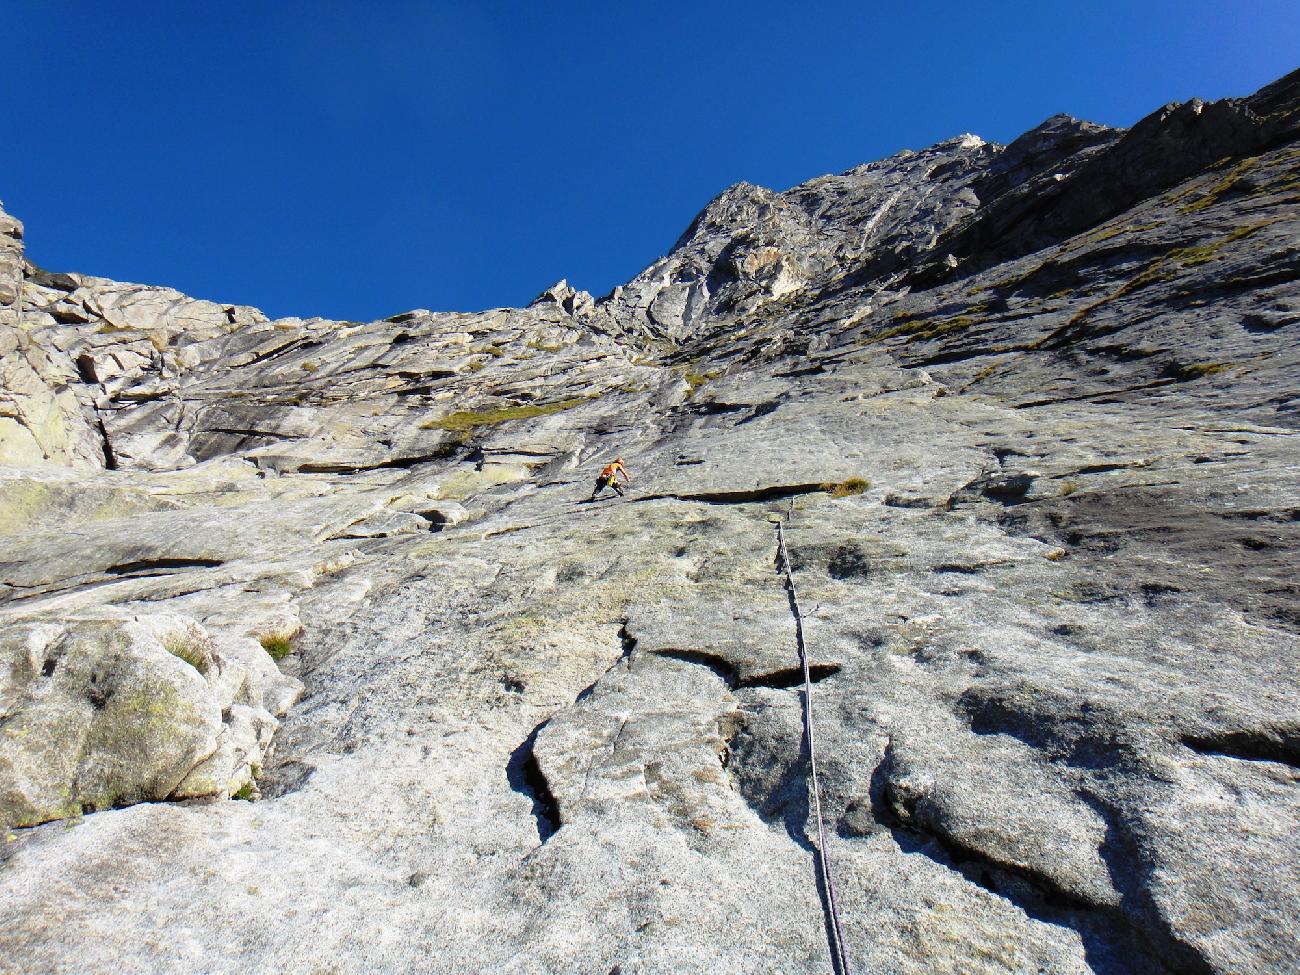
(315, 656)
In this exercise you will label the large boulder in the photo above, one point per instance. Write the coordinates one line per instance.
(100, 713)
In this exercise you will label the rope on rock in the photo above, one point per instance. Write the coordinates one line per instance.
(834, 926)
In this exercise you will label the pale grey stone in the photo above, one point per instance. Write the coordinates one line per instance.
(1029, 413)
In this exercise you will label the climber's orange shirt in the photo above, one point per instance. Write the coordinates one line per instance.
(610, 470)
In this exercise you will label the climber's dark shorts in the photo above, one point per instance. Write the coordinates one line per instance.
(604, 482)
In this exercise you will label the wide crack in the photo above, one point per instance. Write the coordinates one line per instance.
(524, 772)
(526, 777)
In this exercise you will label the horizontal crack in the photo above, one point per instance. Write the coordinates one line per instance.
(272, 353)
(1155, 384)
(790, 677)
(237, 432)
(343, 468)
(161, 566)
(781, 679)
(772, 493)
(720, 666)
(1280, 745)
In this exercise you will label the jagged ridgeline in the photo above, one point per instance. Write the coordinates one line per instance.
(1031, 411)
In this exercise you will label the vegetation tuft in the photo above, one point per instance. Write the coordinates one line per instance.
(847, 488)
(278, 645)
(694, 380)
(193, 651)
(1160, 270)
(920, 329)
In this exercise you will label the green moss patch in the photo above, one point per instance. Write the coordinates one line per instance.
(1199, 370)
(694, 380)
(465, 421)
(1108, 233)
(541, 346)
(1016, 280)
(1161, 269)
(923, 330)
(1192, 256)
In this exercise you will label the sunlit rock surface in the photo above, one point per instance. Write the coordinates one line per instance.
(1031, 413)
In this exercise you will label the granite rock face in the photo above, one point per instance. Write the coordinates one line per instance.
(41, 418)
(1029, 415)
(113, 712)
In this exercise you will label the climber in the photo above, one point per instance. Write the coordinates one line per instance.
(609, 478)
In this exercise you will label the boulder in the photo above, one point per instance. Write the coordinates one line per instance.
(100, 713)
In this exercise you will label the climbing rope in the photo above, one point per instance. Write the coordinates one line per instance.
(834, 926)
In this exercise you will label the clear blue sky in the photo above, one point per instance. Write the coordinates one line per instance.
(355, 160)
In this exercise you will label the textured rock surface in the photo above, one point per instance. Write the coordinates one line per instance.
(1031, 411)
(41, 418)
(101, 713)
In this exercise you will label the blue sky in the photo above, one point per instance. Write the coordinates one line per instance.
(355, 160)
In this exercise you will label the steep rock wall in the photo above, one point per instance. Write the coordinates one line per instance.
(41, 420)
(1041, 511)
